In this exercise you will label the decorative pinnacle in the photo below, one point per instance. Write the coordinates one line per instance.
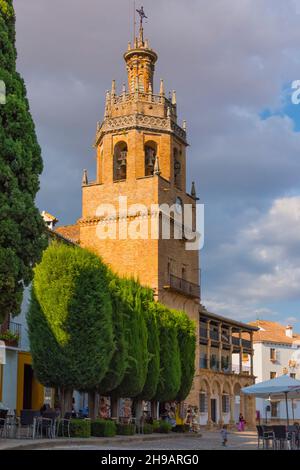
(156, 170)
(162, 88)
(174, 99)
(184, 125)
(113, 88)
(85, 180)
(193, 190)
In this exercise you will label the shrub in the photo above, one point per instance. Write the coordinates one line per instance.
(148, 428)
(164, 427)
(155, 425)
(80, 428)
(125, 429)
(103, 428)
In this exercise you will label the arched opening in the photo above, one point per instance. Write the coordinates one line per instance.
(177, 167)
(150, 156)
(237, 402)
(120, 161)
(226, 403)
(204, 397)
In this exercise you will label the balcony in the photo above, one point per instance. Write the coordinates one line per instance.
(214, 335)
(246, 344)
(10, 333)
(184, 287)
(203, 363)
(203, 333)
(235, 341)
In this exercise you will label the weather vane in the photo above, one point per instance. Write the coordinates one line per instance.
(142, 16)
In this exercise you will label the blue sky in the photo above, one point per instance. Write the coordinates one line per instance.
(232, 63)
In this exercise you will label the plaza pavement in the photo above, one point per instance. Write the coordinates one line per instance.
(207, 441)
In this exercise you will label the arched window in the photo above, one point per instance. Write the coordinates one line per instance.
(177, 167)
(120, 161)
(150, 155)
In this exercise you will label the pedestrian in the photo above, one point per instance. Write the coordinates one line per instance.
(224, 435)
(242, 422)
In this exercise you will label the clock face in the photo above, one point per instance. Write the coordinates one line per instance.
(179, 205)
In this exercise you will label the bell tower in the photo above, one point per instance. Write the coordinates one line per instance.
(141, 158)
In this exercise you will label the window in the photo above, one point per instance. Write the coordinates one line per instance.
(177, 168)
(203, 402)
(272, 354)
(120, 161)
(293, 375)
(275, 409)
(272, 375)
(150, 156)
(225, 404)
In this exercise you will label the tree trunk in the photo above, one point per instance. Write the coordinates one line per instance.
(154, 409)
(66, 399)
(114, 403)
(92, 405)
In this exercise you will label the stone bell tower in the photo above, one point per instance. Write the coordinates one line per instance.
(141, 156)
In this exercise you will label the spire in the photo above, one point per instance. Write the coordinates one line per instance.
(156, 170)
(193, 190)
(141, 32)
(85, 180)
(162, 88)
(113, 88)
(174, 100)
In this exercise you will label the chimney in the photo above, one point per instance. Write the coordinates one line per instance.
(289, 331)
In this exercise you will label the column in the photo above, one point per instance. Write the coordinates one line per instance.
(220, 346)
(209, 421)
(231, 347)
(232, 420)
(221, 421)
(251, 355)
(208, 345)
(241, 353)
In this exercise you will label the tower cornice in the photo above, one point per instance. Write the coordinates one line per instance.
(140, 122)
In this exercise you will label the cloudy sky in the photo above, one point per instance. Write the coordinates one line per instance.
(232, 63)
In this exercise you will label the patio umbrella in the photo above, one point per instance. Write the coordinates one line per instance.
(283, 387)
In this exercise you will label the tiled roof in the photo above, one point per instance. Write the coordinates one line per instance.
(272, 332)
(70, 232)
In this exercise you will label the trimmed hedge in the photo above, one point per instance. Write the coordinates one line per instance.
(80, 428)
(103, 428)
(163, 427)
(125, 429)
(148, 428)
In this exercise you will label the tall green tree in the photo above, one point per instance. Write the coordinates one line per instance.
(119, 361)
(70, 320)
(21, 226)
(170, 362)
(133, 295)
(186, 336)
(153, 346)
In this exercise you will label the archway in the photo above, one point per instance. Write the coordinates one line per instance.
(120, 161)
(150, 156)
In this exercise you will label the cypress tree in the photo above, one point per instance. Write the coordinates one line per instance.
(21, 226)
(70, 319)
(119, 361)
(186, 336)
(170, 363)
(132, 296)
(153, 374)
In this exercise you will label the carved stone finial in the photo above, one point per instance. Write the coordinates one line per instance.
(174, 99)
(193, 190)
(162, 88)
(150, 91)
(85, 180)
(169, 112)
(156, 170)
(129, 46)
(113, 88)
(184, 125)
(124, 88)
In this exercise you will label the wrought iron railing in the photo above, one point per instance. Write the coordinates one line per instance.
(10, 332)
(184, 287)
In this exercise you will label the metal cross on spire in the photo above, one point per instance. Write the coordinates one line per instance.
(142, 16)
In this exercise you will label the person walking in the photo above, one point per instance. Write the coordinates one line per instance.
(224, 435)
(242, 423)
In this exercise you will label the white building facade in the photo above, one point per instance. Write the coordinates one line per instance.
(276, 352)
